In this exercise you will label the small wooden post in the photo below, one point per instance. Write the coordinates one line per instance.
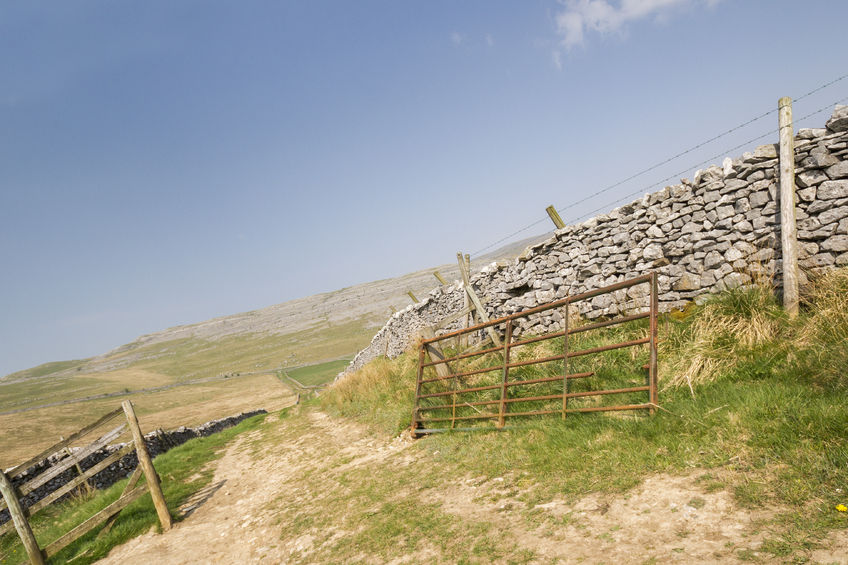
(393, 309)
(147, 467)
(21, 523)
(440, 278)
(412, 296)
(475, 300)
(552, 212)
(68, 452)
(788, 229)
(435, 352)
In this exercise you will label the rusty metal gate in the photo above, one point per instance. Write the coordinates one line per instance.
(462, 387)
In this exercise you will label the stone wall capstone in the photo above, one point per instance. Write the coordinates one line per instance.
(719, 230)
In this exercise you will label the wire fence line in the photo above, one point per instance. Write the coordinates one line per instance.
(669, 160)
(701, 164)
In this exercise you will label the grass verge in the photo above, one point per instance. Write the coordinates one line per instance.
(751, 400)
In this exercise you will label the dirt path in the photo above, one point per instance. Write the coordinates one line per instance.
(251, 511)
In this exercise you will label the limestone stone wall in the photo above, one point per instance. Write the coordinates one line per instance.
(720, 229)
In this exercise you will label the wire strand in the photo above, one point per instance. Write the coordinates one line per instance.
(672, 158)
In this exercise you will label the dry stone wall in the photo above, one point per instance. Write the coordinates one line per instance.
(721, 229)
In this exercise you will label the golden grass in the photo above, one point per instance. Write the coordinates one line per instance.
(25, 434)
(717, 333)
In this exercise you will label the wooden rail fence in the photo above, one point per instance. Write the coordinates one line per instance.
(21, 515)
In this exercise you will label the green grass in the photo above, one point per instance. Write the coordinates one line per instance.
(766, 413)
(45, 369)
(184, 470)
(320, 373)
(188, 359)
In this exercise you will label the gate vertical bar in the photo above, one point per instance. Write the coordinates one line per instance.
(453, 403)
(506, 347)
(565, 364)
(652, 375)
(415, 411)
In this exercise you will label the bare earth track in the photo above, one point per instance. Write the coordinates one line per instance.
(270, 481)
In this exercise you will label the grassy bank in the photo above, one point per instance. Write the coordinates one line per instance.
(751, 401)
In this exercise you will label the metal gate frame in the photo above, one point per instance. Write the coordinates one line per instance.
(430, 347)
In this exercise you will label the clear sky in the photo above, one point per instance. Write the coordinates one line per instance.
(163, 163)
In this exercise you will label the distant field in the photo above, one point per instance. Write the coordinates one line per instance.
(178, 361)
(250, 361)
(23, 435)
(318, 374)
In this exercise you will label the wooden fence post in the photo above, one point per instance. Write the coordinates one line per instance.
(552, 212)
(21, 523)
(440, 278)
(788, 229)
(147, 466)
(412, 296)
(475, 300)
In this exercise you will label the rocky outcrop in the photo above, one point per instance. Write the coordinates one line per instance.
(720, 229)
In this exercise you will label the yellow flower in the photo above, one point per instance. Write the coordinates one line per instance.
(842, 508)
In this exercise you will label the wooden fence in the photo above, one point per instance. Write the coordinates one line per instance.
(20, 515)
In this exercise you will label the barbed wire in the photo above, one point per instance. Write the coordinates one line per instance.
(670, 159)
(702, 163)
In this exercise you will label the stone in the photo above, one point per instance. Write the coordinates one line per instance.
(833, 215)
(733, 254)
(839, 120)
(742, 205)
(732, 185)
(727, 166)
(713, 259)
(838, 243)
(832, 189)
(821, 260)
(687, 282)
(758, 199)
(838, 171)
(819, 161)
(743, 227)
(725, 212)
(806, 194)
(655, 232)
(811, 133)
(691, 227)
(810, 178)
(766, 152)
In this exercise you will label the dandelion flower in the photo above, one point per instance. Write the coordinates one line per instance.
(841, 508)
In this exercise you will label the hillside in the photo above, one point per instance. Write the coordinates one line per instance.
(192, 373)
(745, 461)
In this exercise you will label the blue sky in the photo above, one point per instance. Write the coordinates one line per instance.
(163, 163)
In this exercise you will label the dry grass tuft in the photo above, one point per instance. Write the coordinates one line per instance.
(822, 337)
(712, 339)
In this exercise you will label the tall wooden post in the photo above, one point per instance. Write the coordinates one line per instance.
(20, 521)
(147, 466)
(788, 230)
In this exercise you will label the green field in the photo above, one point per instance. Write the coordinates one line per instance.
(319, 374)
